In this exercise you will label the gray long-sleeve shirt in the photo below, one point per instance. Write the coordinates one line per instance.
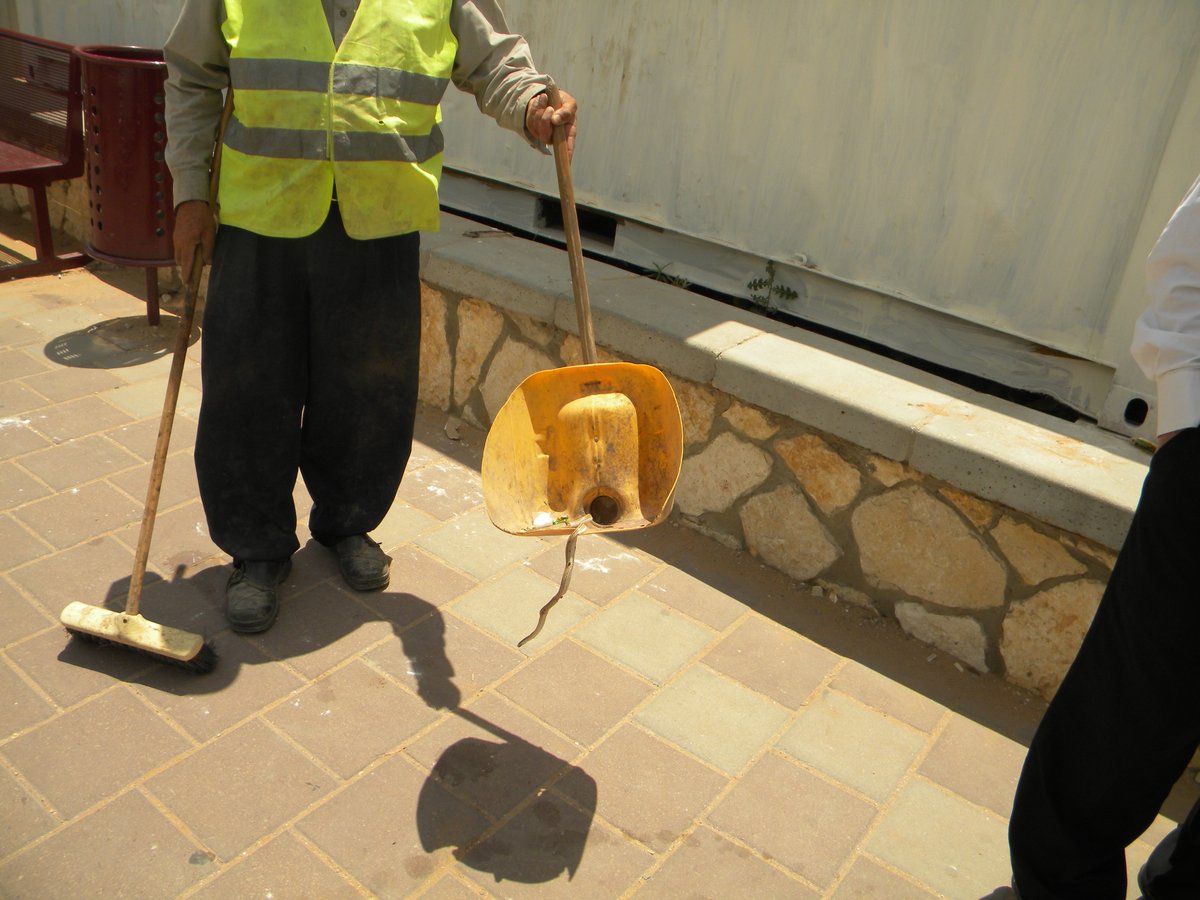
(491, 63)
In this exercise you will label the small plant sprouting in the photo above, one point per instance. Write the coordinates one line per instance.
(661, 274)
(763, 290)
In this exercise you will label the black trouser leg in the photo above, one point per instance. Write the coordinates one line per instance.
(311, 361)
(1125, 722)
(363, 376)
(254, 371)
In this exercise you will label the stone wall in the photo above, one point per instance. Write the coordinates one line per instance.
(993, 587)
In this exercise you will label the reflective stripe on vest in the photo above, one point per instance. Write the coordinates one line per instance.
(307, 115)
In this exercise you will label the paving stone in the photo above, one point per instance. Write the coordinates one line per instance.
(70, 671)
(18, 487)
(777, 808)
(17, 545)
(602, 694)
(88, 415)
(474, 545)
(716, 719)
(954, 763)
(178, 485)
(20, 705)
(448, 887)
(868, 880)
(943, 841)
(549, 848)
(264, 781)
(319, 628)
(283, 868)
(87, 573)
(355, 700)
(646, 788)
(648, 637)
(854, 745)
(61, 757)
(180, 538)
(419, 584)
(243, 682)
(128, 846)
(773, 661)
(80, 514)
(603, 568)
(25, 818)
(143, 399)
(508, 608)
(392, 828)
(445, 661)
(889, 697)
(399, 526)
(18, 364)
(17, 402)
(20, 618)
(708, 862)
(69, 383)
(19, 436)
(690, 595)
(139, 438)
(442, 489)
(493, 755)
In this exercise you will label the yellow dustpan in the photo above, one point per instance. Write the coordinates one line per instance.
(596, 447)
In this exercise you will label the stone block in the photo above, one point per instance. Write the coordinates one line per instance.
(697, 409)
(831, 481)
(980, 512)
(781, 530)
(435, 350)
(479, 326)
(889, 472)
(910, 541)
(533, 330)
(512, 365)
(1042, 635)
(729, 468)
(960, 636)
(1035, 557)
(748, 421)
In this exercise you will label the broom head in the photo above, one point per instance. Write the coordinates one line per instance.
(166, 644)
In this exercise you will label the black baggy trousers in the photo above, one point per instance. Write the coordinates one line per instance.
(310, 364)
(1126, 720)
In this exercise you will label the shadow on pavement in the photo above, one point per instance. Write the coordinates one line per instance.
(116, 343)
(544, 838)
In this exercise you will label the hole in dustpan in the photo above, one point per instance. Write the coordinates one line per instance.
(604, 510)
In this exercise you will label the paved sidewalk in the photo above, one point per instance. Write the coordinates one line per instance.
(690, 723)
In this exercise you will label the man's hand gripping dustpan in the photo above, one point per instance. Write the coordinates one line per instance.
(595, 447)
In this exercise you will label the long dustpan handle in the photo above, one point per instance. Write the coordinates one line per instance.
(566, 193)
(174, 379)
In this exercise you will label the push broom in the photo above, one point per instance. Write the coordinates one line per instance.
(128, 628)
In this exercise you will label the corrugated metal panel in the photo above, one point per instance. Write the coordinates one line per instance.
(988, 160)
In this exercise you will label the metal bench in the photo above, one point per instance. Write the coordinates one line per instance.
(41, 135)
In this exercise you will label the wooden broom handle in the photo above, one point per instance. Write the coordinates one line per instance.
(174, 379)
(566, 193)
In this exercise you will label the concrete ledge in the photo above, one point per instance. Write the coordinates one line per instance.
(1072, 476)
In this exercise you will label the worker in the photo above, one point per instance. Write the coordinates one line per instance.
(1124, 725)
(329, 170)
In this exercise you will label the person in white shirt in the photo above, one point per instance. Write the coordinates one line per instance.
(1126, 721)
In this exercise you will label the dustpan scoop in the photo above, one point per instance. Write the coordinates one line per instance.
(595, 447)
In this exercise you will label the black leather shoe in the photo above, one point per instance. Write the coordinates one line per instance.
(252, 594)
(364, 565)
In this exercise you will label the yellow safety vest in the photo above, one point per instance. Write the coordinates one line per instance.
(307, 115)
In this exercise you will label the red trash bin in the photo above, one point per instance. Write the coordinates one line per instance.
(129, 187)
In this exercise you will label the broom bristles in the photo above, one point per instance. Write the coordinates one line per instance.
(161, 642)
